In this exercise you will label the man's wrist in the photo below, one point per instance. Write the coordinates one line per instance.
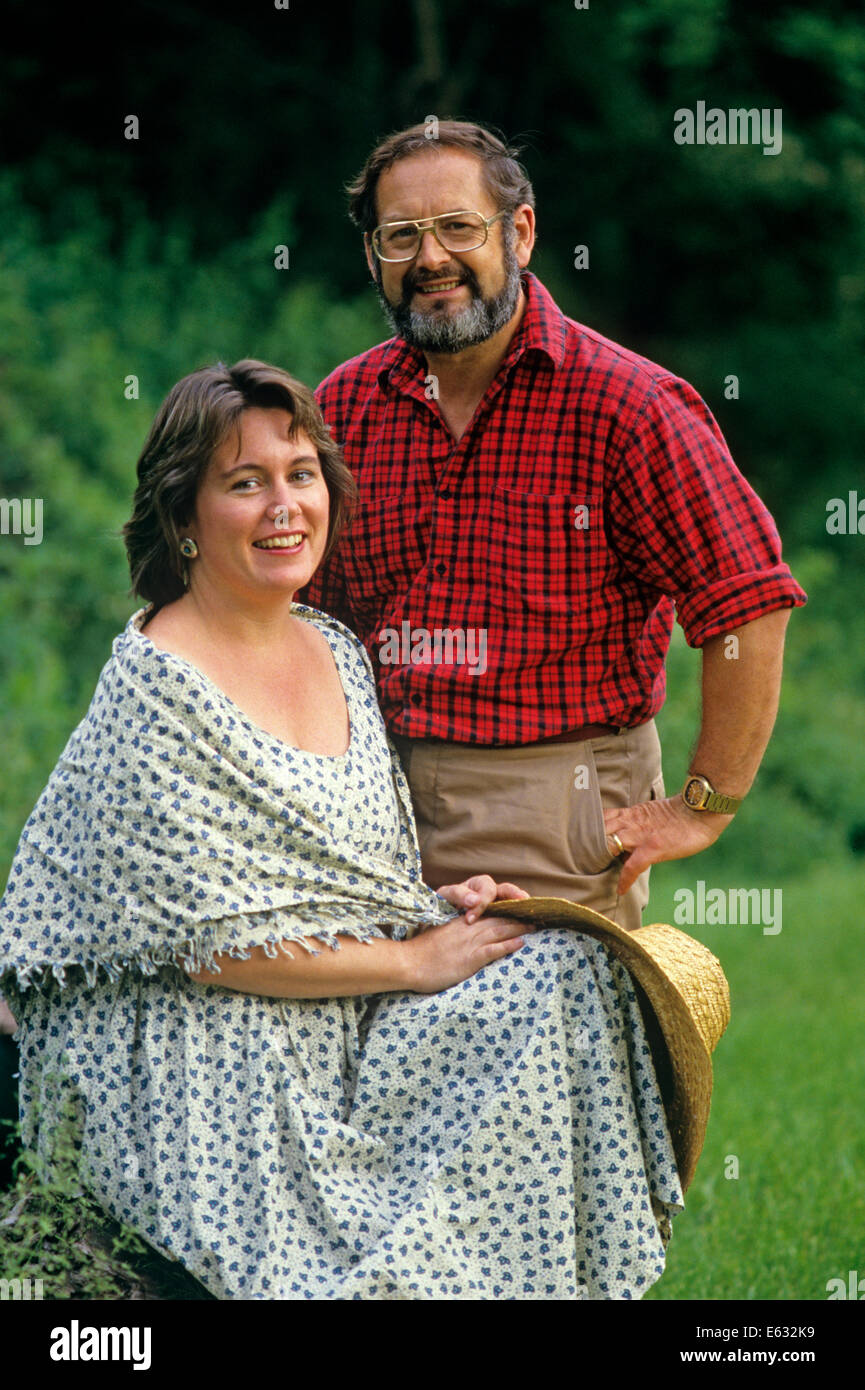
(700, 796)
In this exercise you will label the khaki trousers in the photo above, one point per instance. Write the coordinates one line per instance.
(533, 816)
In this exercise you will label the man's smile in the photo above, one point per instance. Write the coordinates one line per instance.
(439, 286)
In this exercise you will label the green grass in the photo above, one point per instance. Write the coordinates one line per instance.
(789, 1083)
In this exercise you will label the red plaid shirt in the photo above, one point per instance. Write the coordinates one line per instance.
(590, 495)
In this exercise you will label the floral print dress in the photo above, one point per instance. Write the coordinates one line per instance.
(502, 1139)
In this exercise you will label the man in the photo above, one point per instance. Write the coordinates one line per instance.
(535, 501)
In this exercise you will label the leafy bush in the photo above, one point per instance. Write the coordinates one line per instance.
(77, 318)
(51, 1229)
(806, 804)
(83, 310)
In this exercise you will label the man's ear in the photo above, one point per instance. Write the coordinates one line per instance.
(524, 229)
(370, 257)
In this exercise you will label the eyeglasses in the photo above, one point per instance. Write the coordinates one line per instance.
(454, 231)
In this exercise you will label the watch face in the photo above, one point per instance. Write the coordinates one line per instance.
(694, 793)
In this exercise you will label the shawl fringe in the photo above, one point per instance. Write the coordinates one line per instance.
(194, 956)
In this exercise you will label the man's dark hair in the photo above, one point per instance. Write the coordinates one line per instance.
(506, 180)
(195, 418)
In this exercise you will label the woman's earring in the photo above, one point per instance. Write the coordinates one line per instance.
(188, 548)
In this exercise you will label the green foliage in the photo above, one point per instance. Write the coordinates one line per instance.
(51, 1229)
(715, 260)
(154, 309)
(70, 436)
(806, 805)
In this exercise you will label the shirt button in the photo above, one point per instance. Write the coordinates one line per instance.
(445, 494)
(417, 699)
(441, 568)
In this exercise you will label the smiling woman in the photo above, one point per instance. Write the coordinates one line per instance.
(288, 1063)
(242, 489)
(257, 533)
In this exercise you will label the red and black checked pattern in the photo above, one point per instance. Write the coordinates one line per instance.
(591, 495)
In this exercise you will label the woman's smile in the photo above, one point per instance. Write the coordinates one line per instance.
(291, 542)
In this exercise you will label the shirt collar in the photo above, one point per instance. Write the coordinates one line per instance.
(542, 329)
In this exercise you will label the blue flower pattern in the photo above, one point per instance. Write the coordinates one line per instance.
(503, 1139)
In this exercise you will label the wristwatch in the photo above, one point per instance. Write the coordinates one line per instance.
(698, 794)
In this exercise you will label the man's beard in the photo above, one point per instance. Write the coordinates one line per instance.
(453, 332)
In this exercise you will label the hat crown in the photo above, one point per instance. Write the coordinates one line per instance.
(695, 973)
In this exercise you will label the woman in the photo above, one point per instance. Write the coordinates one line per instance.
(416, 1101)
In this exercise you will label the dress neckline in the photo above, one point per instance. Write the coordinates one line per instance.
(240, 713)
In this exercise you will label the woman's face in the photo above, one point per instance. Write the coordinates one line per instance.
(261, 512)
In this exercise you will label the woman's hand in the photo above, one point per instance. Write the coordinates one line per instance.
(450, 952)
(476, 894)
(7, 1022)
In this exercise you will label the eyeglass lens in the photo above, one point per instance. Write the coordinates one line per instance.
(401, 240)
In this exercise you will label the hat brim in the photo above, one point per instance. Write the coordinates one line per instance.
(675, 975)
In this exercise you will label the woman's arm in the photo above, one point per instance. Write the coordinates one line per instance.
(433, 960)
(358, 967)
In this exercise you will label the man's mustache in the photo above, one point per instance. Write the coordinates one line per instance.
(415, 281)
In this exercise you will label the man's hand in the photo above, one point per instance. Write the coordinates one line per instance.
(657, 830)
(476, 894)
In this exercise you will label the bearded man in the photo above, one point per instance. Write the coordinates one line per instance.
(536, 504)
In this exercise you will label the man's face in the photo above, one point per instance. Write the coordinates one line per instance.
(445, 301)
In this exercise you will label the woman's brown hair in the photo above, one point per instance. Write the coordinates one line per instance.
(193, 421)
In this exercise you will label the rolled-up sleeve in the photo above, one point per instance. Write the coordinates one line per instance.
(684, 520)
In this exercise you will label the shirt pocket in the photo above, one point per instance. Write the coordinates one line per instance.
(539, 547)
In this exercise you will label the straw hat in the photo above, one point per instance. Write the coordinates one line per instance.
(689, 1008)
